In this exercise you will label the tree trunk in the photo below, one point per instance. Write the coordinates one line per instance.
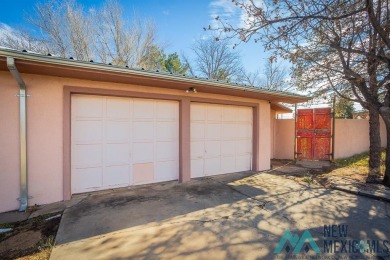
(375, 146)
(386, 179)
(385, 113)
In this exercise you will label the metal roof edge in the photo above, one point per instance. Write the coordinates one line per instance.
(28, 56)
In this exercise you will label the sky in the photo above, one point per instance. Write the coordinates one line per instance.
(179, 23)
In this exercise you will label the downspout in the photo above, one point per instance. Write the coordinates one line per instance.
(23, 133)
(295, 133)
(333, 127)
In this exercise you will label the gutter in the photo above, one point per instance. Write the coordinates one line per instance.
(23, 133)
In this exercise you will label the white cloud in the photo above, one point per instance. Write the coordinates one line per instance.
(166, 12)
(223, 8)
(227, 10)
(5, 29)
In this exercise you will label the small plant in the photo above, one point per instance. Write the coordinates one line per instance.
(47, 244)
(308, 179)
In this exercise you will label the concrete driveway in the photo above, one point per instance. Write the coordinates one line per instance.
(235, 216)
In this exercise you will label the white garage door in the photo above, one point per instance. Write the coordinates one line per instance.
(221, 139)
(117, 142)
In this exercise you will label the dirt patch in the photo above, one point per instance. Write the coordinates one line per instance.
(21, 241)
(352, 171)
(29, 239)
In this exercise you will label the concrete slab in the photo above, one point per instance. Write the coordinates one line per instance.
(236, 216)
(13, 216)
(313, 164)
(56, 207)
(375, 191)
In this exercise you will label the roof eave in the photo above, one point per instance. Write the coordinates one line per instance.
(275, 95)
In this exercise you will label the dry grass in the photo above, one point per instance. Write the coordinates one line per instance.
(353, 169)
(42, 255)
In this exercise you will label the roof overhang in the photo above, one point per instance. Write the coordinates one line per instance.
(279, 108)
(32, 63)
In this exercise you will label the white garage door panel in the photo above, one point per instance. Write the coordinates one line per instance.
(228, 164)
(167, 111)
(166, 151)
(197, 130)
(166, 130)
(117, 142)
(143, 152)
(143, 109)
(166, 171)
(221, 139)
(197, 149)
(242, 162)
(87, 155)
(213, 131)
(118, 108)
(214, 113)
(118, 131)
(212, 166)
(228, 148)
(197, 168)
(117, 153)
(88, 131)
(86, 179)
(143, 131)
(213, 148)
(88, 108)
(116, 176)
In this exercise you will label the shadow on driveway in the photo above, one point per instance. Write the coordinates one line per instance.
(239, 215)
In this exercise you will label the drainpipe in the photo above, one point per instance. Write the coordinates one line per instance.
(295, 133)
(23, 133)
(333, 126)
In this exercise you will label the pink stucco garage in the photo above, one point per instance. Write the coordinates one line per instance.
(95, 126)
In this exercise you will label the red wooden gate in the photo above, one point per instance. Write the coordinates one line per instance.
(314, 134)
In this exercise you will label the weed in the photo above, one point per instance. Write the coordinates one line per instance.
(308, 179)
(47, 243)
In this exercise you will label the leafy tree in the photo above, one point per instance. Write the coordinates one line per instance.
(154, 59)
(344, 108)
(173, 64)
(334, 46)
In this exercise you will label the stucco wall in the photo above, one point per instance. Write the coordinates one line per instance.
(45, 134)
(351, 137)
(9, 145)
(284, 139)
(273, 122)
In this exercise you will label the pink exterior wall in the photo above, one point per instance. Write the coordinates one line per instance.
(264, 136)
(273, 122)
(351, 137)
(45, 134)
(284, 139)
(9, 144)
